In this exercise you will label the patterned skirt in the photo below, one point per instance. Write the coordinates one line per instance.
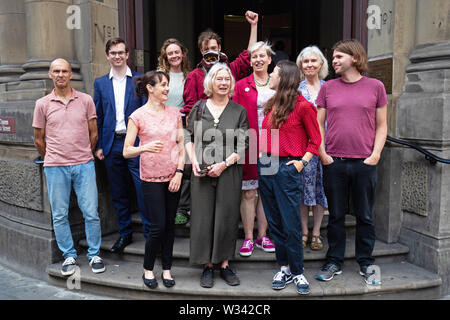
(313, 192)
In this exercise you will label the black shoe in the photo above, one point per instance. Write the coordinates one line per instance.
(151, 283)
(168, 283)
(229, 276)
(121, 243)
(207, 279)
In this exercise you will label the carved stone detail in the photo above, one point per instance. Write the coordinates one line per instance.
(415, 188)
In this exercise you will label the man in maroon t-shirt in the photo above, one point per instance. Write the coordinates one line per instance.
(355, 109)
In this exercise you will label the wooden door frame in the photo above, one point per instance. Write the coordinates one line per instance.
(354, 24)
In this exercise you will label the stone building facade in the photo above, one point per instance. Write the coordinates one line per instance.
(408, 42)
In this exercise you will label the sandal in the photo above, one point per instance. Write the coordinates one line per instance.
(181, 217)
(304, 240)
(316, 243)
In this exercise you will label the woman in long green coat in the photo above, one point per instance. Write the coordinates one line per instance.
(215, 142)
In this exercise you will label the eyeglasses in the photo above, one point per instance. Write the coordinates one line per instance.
(119, 53)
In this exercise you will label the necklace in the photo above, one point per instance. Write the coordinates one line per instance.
(261, 84)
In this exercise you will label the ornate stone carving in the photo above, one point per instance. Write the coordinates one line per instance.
(415, 188)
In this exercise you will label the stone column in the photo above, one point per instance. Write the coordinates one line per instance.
(423, 118)
(397, 37)
(12, 33)
(48, 38)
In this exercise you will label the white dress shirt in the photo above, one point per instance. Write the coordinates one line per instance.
(120, 86)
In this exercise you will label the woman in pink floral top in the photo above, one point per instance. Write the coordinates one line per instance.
(161, 151)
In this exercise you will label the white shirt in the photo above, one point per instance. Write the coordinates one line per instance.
(176, 87)
(120, 86)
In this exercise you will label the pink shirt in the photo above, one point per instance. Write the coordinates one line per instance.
(351, 113)
(158, 167)
(66, 128)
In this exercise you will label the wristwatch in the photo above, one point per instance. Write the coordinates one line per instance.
(226, 163)
(180, 171)
(305, 163)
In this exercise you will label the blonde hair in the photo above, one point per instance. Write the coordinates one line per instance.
(262, 45)
(211, 75)
(307, 52)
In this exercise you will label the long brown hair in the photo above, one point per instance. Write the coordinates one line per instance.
(283, 102)
(163, 62)
(355, 49)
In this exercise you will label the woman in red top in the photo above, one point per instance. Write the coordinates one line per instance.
(289, 137)
(253, 92)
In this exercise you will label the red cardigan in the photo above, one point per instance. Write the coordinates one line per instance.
(298, 135)
(193, 87)
(246, 94)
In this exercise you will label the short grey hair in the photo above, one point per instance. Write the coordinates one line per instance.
(261, 44)
(211, 75)
(308, 51)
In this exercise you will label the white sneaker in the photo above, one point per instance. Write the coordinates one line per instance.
(97, 264)
(302, 284)
(68, 267)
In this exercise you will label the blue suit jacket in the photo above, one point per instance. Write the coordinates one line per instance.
(106, 109)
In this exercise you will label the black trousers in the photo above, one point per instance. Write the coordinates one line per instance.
(340, 178)
(162, 206)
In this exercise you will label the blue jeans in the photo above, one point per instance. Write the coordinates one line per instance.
(59, 184)
(281, 195)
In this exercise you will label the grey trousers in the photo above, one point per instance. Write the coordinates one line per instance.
(215, 214)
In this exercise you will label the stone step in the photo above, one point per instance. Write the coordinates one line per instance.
(383, 253)
(123, 279)
(183, 230)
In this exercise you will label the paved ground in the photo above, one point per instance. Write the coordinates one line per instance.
(17, 287)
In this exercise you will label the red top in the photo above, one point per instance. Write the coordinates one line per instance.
(193, 87)
(298, 135)
(246, 94)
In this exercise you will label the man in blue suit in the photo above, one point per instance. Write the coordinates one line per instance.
(115, 101)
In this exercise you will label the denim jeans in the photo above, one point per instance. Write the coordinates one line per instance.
(340, 178)
(281, 195)
(59, 184)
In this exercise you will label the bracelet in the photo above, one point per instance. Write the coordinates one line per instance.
(180, 171)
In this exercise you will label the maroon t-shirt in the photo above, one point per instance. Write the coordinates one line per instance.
(351, 113)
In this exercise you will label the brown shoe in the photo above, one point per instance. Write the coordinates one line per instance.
(316, 243)
(304, 240)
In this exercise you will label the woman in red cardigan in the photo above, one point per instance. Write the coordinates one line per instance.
(253, 92)
(290, 136)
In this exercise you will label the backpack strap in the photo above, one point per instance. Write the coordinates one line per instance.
(201, 109)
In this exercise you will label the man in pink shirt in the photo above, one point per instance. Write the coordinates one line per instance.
(65, 134)
(355, 109)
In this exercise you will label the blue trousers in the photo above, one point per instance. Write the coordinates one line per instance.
(281, 194)
(59, 185)
(118, 169)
